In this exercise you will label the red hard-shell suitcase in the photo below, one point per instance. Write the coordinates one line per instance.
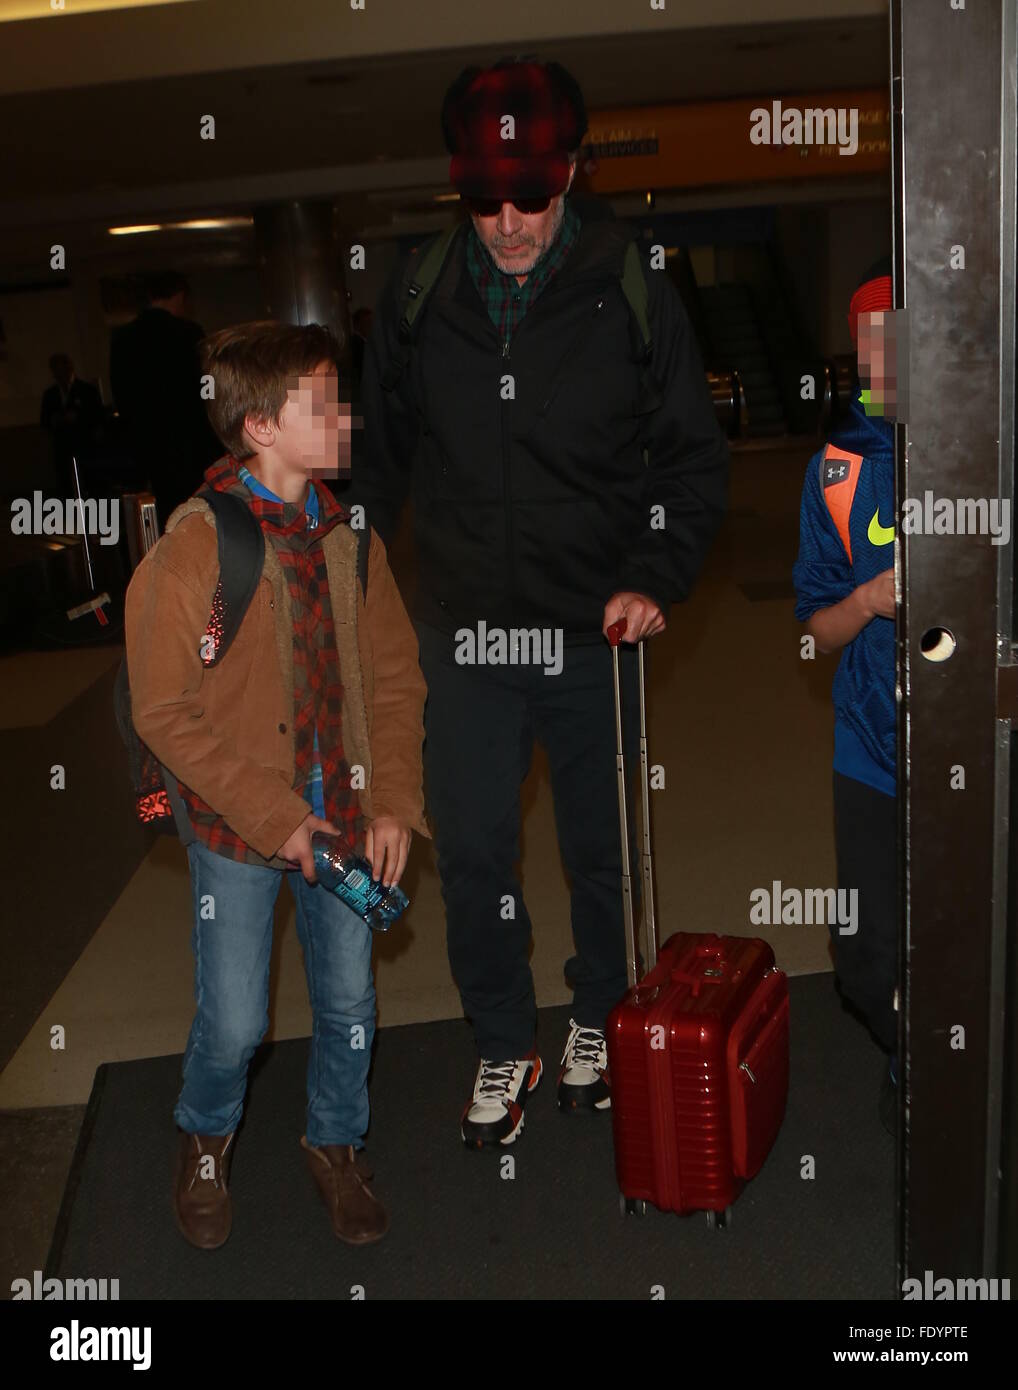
(697, 1049)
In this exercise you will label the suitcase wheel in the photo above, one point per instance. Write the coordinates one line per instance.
(720, 1220)
(629, 1206)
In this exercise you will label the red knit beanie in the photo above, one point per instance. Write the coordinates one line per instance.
(875, 291)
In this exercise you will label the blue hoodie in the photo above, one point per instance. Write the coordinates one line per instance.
(864, 702)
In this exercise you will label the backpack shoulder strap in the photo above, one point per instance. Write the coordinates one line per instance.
(241, 547)
(181, 819)
(839, 478)
(421, 276)
(363, 547)
(634, 287)
(424, 271)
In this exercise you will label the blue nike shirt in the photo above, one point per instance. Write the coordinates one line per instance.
(865, 728)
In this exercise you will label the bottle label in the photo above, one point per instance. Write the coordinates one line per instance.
(358, 891)
(373, 902)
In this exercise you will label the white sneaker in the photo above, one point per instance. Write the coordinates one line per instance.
(583, 1076)
(494, 1114)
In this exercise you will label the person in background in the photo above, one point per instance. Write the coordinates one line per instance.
(156, 382)
(72, 412)
(845, 596)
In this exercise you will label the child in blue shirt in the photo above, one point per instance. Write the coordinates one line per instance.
(845, 596)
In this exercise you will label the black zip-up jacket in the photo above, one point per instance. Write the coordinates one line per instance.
(534, 510)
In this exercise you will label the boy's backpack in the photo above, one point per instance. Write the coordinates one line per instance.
(241, 547)
(839, 478)
(422, 275)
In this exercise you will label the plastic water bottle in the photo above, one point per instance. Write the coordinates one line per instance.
(348, 875)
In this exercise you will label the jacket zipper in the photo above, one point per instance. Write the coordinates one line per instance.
(507, 492)
(581, 332)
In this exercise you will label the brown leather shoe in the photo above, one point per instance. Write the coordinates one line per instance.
(342, 1175)
(201, 1200)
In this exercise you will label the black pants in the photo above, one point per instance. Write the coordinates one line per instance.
(480, 726)
(866, 963)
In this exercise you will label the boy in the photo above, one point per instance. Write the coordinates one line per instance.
(320, 694)
(844, 582)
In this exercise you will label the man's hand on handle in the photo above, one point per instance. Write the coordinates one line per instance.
(643, 616)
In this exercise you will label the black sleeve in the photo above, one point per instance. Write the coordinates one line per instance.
(381, 466)
(688, 461)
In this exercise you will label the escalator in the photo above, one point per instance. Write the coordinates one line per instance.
(736, 338)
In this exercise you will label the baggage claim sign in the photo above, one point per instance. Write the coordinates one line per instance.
(751, 140)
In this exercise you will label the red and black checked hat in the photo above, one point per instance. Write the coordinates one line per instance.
(550, 120)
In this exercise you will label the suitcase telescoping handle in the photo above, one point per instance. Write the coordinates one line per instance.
(615, 632)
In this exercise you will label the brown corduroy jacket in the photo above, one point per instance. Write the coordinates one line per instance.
(227, 731)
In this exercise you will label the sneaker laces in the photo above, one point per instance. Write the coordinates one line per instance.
(584, 1048)
(495, 1081)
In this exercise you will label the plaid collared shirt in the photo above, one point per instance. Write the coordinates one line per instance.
(317, 684)
(505, 300)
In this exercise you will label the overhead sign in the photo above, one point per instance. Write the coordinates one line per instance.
(749, 140)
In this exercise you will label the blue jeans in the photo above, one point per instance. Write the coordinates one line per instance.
(232, 945)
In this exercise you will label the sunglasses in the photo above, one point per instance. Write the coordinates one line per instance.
(491, 207)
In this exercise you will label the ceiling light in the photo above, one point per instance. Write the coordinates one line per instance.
(54, 9)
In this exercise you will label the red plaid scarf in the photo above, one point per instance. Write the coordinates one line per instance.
(317, 683)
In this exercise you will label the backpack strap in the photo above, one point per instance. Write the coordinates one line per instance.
(181, 819)
(363, 546)
(421, 276)
(839, 478)
(241, 548)
(634, 287)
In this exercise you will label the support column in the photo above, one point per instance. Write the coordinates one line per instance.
(301, 262)
(953, 90)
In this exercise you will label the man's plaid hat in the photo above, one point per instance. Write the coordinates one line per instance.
(549, 119)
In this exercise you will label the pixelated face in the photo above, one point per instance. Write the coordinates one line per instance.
(878, 362)
(515, 236)
(315, 425)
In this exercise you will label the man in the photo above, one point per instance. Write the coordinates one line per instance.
(844, 582)
(156, 383)
(519, 406)
(72, 412)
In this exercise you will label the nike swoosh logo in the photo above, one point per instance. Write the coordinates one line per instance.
(877, 534)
